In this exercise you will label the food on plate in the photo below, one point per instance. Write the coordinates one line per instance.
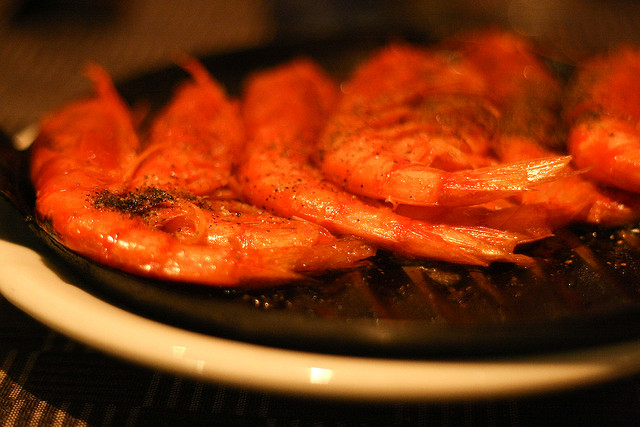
(276, 173)
(603, 112)
(83, 163)
(412, 127)
(193, 142)
(528, 98)
(453, 152)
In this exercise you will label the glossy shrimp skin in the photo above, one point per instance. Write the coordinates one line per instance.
(276, 174)
(574, 198)
(193, 142)
(420, 134)
(81, 166)
(93, 137)
(84, 150)
(528, 97)
(603, 111)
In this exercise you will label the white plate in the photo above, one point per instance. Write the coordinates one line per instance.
(27, 282)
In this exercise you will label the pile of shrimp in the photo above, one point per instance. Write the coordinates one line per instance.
(456, 152)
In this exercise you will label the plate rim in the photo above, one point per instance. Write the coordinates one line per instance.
(40, 292)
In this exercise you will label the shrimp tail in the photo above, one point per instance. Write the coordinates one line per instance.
(414, 185)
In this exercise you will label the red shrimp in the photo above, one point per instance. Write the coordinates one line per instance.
(94, 137)
(398, 110)
(603, 111)
(529, 220)
(284, 110)
(528, 97)
(194, 140)
(573, 198)
(81, 168)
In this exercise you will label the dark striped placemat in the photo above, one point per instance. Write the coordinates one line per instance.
(49, 380)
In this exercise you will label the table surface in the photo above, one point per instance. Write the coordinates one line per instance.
(48, 379)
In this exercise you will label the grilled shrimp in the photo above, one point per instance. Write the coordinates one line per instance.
(195, 139)
(528, 98)
(276, 174)
(415, 128)
(603, 111)
(574, 198)
(93, 138)
(81, 169)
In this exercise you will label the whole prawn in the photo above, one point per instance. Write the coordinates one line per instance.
(603, 112)
(95, 197)
(415, 128)
(276, 174)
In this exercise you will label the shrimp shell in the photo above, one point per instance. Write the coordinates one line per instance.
(89, 200)
(403, 86)
(276, 174)
(603, 112)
